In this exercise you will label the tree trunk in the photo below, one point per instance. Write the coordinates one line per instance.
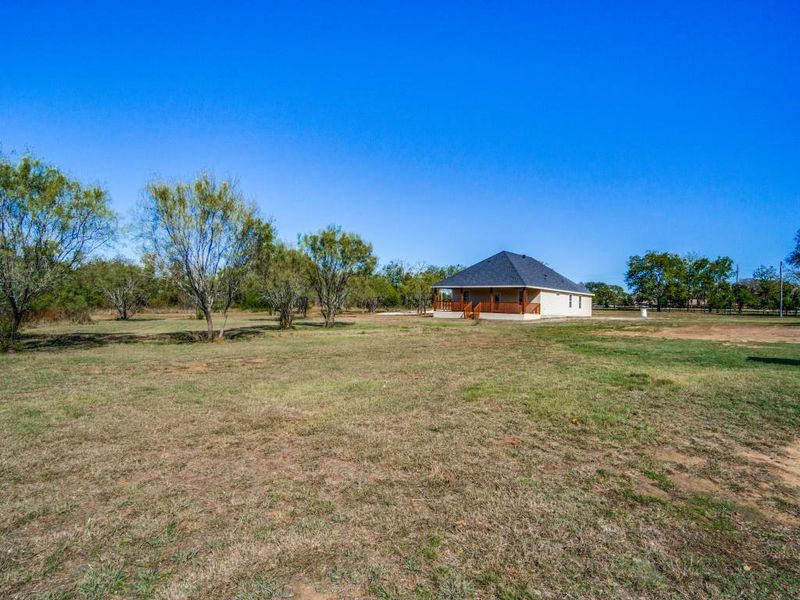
(16, 321)
(330, 316)
(285, 317)
(224, 323)
(209, 323)
(9, 331)
(225, 309)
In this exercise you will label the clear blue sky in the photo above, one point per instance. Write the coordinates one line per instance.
(573, 132)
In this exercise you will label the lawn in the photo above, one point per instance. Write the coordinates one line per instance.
(401, 457)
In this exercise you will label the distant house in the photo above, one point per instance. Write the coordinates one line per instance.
(510, 286)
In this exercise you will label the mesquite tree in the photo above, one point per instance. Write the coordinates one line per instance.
(363, 294)
(125, 286)
(208, 231)
(418, 284)
(336, 256)
(286, 282)
(49, 223)
(303, 303)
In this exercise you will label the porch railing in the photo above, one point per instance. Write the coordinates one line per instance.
(509, 308)
(472, 310)
(451, 305)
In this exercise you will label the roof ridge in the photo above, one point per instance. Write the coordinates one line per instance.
(513, 266)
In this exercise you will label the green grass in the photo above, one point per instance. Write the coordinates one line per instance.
(398, 457)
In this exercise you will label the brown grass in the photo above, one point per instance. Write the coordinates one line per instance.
(397, 458)
(725, 332)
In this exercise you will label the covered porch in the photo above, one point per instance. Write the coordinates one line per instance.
(512, 303)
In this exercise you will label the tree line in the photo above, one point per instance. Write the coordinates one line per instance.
(203, 247)
(668, 280)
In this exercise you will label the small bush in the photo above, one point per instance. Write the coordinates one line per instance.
(72, 314)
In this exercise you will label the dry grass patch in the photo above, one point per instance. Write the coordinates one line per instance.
(397, 458)
(724, 332)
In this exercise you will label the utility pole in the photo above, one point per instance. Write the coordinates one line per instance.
(781, 313)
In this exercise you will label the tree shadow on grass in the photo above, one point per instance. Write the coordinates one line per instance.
(138, 319)
(33, 341)
(771, 360)
(321, 324)
(77, 341)
(95, 340)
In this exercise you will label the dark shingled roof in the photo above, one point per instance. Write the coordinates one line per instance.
(514, 270)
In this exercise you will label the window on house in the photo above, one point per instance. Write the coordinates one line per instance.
(580, 301)
(497, 297)
(521, 297)
(570, 300)
(466, 295)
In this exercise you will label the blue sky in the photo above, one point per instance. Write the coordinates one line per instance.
(574, 132)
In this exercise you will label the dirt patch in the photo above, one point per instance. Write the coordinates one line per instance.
(190, 367)
(684, 478)
(686, 482)
(687, 478)
(689, 483)
(728, 332)
(512, 440)
(199, 367)
(303, 590)
(786, 466)
(645, 488)
(674, 456)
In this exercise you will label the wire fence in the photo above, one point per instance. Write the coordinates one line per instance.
(745, 312)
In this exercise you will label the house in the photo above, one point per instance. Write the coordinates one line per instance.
(510, 286)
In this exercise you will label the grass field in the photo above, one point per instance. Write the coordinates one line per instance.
(402, 457)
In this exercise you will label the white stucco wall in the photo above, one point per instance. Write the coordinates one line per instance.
(556, 304)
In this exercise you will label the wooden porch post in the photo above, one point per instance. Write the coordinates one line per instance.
(524, 301)
(491, 299)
